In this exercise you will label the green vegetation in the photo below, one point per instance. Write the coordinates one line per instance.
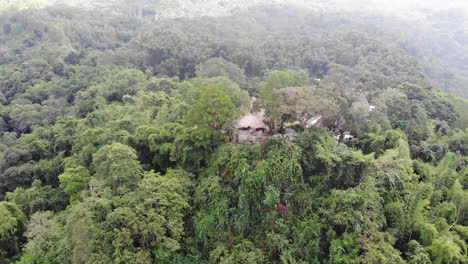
(115, 138)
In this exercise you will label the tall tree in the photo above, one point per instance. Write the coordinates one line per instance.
(117, 167)
(73, 181)
(213, 110)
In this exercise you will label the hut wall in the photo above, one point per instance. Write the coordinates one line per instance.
(245, 136)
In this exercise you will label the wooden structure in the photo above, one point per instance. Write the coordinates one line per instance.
(249, 129)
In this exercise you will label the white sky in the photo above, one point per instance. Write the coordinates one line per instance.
(405, 8)
(409, 9)
(406, 4)
(433, 4)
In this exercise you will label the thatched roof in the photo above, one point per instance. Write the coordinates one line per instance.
(250, 121)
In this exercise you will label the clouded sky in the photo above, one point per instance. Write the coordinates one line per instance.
(410, 9)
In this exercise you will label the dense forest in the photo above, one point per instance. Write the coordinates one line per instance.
(117, 139)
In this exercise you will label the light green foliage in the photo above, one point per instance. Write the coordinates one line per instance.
(282, 79)
(283, 100)
(238, 96)
(116, 165)
(459, 199)
(278, 169)
(73, 181)
(46, 240)
(378, 248)
(341, 213)
(213, 110)
(445, 175)
(417, 206)
(41, 91)
(84, 231)
(393, 169)
(460, 105)
(132, 226)
(418, 254)
(462, 231)
(307, 238)
(155, 213)
(377, 141)
(445, 250)
(428, 232)
(342, 250)
(211, 220)
(244, 252)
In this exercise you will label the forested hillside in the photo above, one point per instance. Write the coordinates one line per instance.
(432, 31)
(117, 138)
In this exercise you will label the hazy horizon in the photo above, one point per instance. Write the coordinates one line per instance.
(381, 5)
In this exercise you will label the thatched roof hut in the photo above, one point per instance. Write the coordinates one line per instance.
(250, 122)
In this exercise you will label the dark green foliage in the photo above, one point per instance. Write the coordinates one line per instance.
(216, 67)
(325, 160)
(394, 214)
(38, 198)
(376, 142)
(11, 230)
(161, 141)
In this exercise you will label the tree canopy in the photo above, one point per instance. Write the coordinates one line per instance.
(117, 139)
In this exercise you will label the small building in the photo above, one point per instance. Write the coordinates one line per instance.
(249, 129)
(346, 137)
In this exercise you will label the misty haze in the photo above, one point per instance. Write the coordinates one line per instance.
(233, 131)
